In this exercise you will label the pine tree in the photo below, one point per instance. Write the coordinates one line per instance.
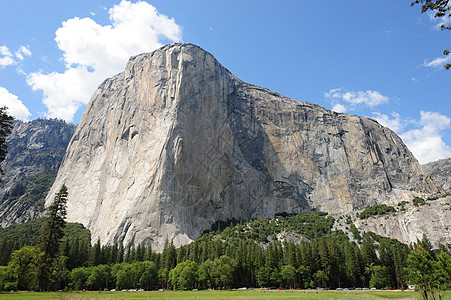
(74, 254)
(113, 254)
(148, 253)
(120, 254)
(421, 271)
(95, 256)
(6, 123)
(52, 232)
(399, 264)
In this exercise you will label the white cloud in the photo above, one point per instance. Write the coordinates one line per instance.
(93, 52)
(438, 22)
(333, 94)
(394, 123)
(438, 62)
(15, 107)
(23, 50)
(341, 98)
(369, 98)
(6, 57)
(426, 143)
(65, 92)
(339, 108)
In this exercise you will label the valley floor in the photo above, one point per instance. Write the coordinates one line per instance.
(256, 294)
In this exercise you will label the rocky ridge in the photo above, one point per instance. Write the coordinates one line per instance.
(35, 150)
(440, 171)
(176, 142)
(432, 219)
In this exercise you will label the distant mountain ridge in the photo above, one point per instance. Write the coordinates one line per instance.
(440, 171)
(35, 150)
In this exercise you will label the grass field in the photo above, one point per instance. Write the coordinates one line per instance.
(256, 294)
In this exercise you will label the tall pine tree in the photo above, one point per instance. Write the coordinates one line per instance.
(6, 123)
(51, 234)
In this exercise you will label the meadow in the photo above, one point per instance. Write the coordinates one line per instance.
(255, 294)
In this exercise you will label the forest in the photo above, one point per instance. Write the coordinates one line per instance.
(256, 253)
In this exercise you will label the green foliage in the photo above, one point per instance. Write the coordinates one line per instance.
(99, 278)
(149, 277)
(441, 8)
(421, 271)
(378, 209)
(51, 234)
(78, 278)
(53, 228)
(33, 189)
(289, 276)
(183, 276)
(444, 268)
(402, 205)
(380, 278)
(23, 267)
(310, 225)
(348, 220)
(229, 258)
(418, 201)
(320, 278)
(207, 274)
(225, 267)
(355, 232)
(16, 236)
(6, 124)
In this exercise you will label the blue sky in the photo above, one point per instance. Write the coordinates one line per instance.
(379, 59)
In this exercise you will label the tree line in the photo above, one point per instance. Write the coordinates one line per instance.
(257, 253)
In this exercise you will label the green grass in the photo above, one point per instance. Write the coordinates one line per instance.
(256, 294)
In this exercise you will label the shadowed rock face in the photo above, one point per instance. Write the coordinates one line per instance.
(176, 142)
(35, 151)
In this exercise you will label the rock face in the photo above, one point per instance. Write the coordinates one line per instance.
(440, 171)
(35, 151)
(432, 220)
(176, 142)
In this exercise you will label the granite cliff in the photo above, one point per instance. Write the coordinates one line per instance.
(35, 151)
(440, 171)
(176, 142)
(432, 219)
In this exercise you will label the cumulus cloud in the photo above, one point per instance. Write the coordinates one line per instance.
(340, 108)
(15, 107)
(426, 142)
(369, 98)
(93, 52)
(394, 122)
(6, 57)
(340, 98)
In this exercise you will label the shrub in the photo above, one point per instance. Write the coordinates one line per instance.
(417, 201)
(378, 209)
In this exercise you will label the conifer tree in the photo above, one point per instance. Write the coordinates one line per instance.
(51, 234)
(442, 10)
(6, 123)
